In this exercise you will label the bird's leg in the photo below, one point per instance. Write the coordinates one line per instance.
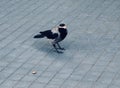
(60, 46)
(56, 49)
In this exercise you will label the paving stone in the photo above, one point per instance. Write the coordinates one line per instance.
(43, 79)
(52, 86)
(62, 75)
(37, 85)
(91, 76)
(56, 81)
(8, 83)
(76, 77)
(22, 84)
(22, 71)
(28, 78)
(69, 83)
(114, 86)
(99, 85)
(15, 77)
(106, 77)
(84, 84)
(3, 63)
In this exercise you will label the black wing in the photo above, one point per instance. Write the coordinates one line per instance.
(49, 34)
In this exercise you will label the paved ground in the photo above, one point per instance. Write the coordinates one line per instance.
(92, 55)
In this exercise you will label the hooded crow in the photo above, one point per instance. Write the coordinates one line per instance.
(55, 36)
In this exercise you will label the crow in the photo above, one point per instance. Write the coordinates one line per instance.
(56, 35)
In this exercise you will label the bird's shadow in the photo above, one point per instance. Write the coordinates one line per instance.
(41, 45)
(45, 47)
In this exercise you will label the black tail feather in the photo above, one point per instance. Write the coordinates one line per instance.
(38, 36)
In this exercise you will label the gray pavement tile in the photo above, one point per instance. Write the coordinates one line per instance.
(4, 75)
(3, 63)
(8, 83)
(22, 71)
(43, 80)
(98, 68)
(116, 80)
(15, 77)
(56, 81)
(62, 75)
(15, 64)
(99, 85)
(37, 85)
(9, 70)
(114, 86)
(106, 78)
(22, 84)
(40, 68)
(82, 69)
(1, 80)
(69, 83)
(112, 68)
(28, 78)
(1, 67)
(48, 74)
(52, 86)
(91, 76)
(84, 84)
(76, 77)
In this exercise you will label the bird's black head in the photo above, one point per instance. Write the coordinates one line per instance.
(62, 25)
